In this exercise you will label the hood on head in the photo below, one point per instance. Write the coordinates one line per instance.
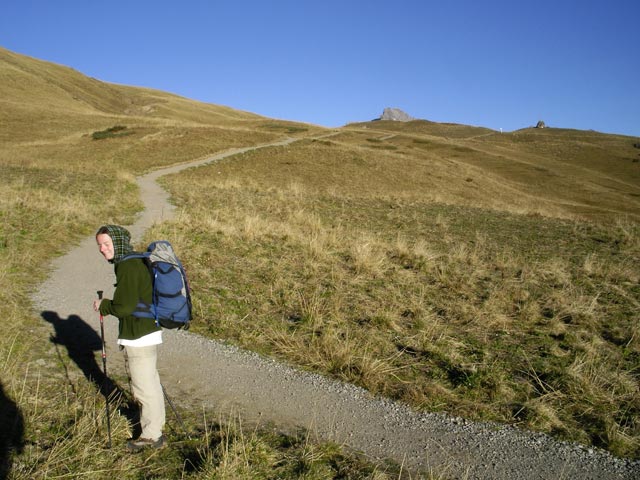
(121, 239)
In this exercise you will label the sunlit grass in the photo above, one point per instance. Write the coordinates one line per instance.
(55, 427)
(53, 424)
(56, 185)
(481, 314)
(447, 266)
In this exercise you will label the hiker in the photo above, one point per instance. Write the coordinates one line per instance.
(138, 337)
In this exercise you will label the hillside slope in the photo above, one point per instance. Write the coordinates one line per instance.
(453, 268)
(551, 172)
(49, 114)
(222, 378)
(31, 87)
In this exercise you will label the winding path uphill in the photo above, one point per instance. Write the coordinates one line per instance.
(228, 379)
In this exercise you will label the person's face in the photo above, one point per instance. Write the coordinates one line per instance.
(105, 244)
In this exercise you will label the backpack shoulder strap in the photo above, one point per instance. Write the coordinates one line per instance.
(128, 256)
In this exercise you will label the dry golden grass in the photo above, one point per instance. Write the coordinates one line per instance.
(480, 313)
(56, 184)
(457, 269)
(554, 173)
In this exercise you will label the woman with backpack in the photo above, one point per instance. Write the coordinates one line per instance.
(138, 337)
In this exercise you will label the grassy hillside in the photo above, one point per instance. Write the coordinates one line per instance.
(57, 182)
(458, 269)
(552, 172)
(371, 265)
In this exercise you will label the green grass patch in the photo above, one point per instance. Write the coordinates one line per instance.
(286, 127)
(112, 132)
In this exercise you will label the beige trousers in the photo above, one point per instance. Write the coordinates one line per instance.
(146, 389)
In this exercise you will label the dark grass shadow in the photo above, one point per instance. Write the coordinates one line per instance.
(81, 343)
(11, 433)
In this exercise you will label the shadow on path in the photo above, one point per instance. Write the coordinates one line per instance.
(81, 342)
(11, 432)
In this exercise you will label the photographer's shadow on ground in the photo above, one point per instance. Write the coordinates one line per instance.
(11, 432)
(81, 342)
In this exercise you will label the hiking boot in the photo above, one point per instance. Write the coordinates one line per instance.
(142, 443)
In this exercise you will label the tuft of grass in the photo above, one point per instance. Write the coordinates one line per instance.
(228, 449)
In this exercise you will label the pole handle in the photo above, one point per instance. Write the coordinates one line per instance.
(99, 294)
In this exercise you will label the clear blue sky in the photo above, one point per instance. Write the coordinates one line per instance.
(497, 64)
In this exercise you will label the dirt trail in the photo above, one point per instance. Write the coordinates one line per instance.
(226, 379)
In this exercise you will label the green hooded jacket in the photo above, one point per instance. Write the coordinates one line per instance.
(133, 285)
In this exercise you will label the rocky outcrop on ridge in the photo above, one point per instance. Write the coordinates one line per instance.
(396, 115)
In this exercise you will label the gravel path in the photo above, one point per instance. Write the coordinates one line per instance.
(227, 379)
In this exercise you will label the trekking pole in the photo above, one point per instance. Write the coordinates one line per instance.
(175, 412)
(104, 366)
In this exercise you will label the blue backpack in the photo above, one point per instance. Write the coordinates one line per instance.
(171, 304)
